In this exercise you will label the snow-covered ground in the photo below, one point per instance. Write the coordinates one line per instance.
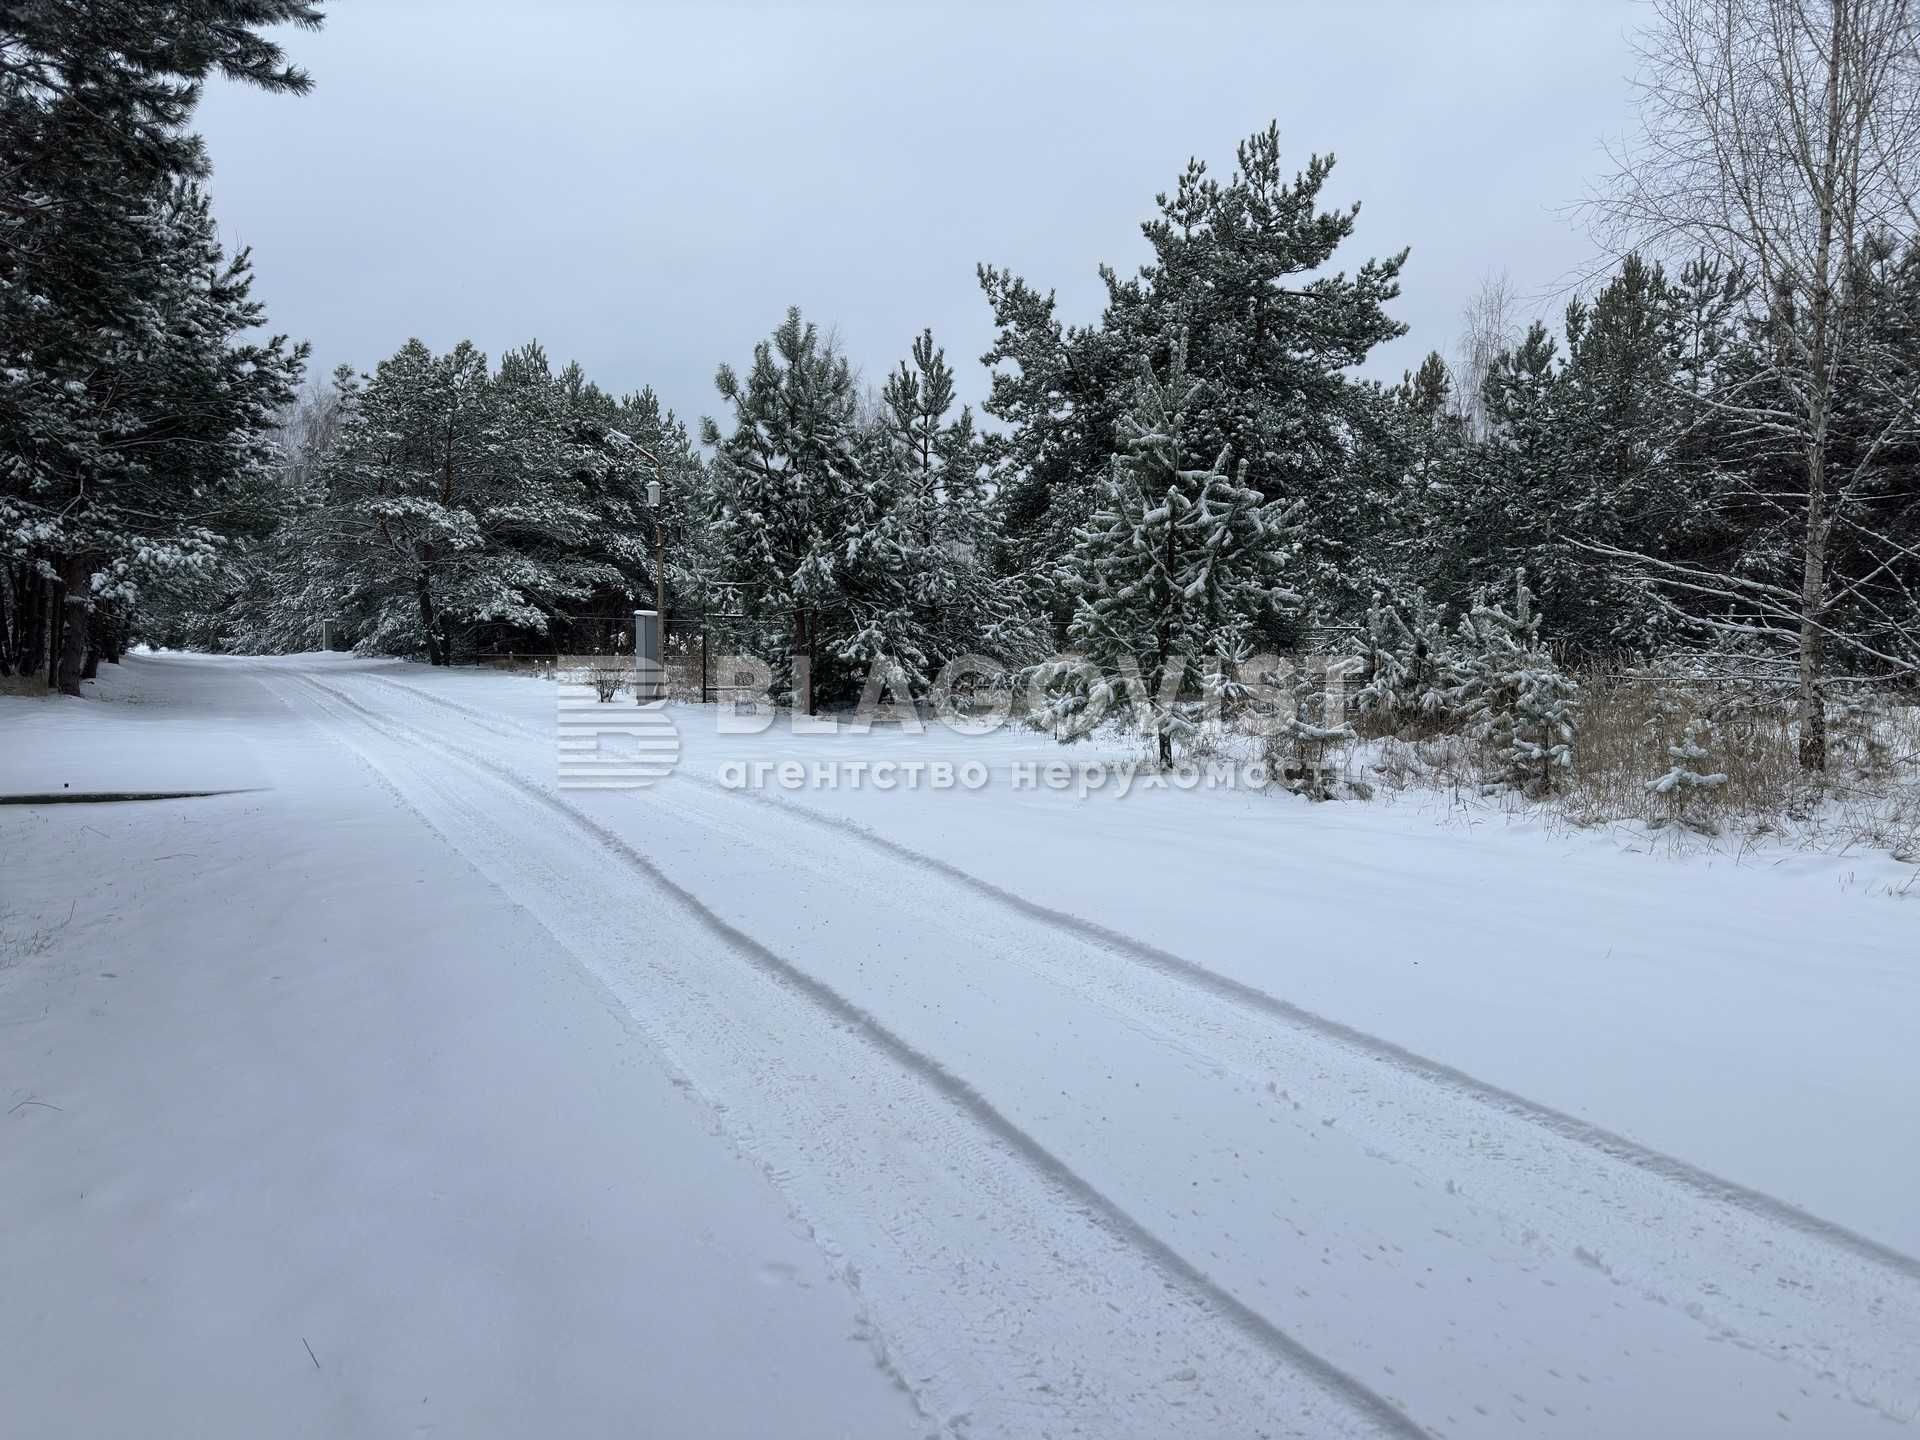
(864, 1111)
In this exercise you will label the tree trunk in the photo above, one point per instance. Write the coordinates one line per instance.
(1163, 642)
(104, 638)
(76, 574)
(429, 622)
(1813, 637)
(10, 631)
(56, 618)
(24, 585)
(31, 636)
(1813, 570)
(801, 661)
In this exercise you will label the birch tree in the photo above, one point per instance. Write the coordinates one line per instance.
(1783, 138)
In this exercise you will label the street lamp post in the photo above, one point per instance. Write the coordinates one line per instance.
(659, 579)
(659, 552)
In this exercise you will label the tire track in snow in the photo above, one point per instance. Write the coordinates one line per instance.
(1381, 1415)
(1251, 998)
(1734, 1276)
(1548, 1209)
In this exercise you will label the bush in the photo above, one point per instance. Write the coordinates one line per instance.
(608, 674)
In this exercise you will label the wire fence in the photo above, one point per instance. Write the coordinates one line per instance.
(698, 653)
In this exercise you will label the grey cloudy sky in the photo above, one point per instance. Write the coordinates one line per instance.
(646, 187)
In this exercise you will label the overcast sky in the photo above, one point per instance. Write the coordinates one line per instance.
(647, 187)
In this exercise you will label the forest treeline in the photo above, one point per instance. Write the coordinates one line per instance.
(1715, 446)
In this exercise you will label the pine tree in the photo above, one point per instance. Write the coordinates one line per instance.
(1515, 698)
(1511, 488)
(1301, 733)
(788, 493)
(1684, 786)
(124, 377)
(638, 441)
(455, 505)
(942, 522)
(124, 482)
(1244, 269)
(1619, 424)
(1059, 392)
(1409, 669)
(1179, 563)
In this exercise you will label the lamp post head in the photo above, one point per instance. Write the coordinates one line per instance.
(653, 493)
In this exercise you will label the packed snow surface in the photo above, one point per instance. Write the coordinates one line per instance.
(401, 1089)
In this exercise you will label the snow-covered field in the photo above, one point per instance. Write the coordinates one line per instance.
(402, 1089)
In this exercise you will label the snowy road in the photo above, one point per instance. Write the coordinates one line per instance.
(1080, 1184)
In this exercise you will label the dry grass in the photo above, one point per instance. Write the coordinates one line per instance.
(1629, 719)
(1628, 722)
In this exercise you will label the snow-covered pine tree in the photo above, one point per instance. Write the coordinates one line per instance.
(133, 442)
(546, 538)
(286, 584)
(1513, 694)
(398, 520)
(1688, 781)
(453, 505)
(959, 601)
(1180, 562)
(1501, 498)
(1275, 328)
(937, 455)
(638, 441)
(1409, 672)
(788, 493)
(537, 517)
(1058, 391)
(121, 363)
(1301, 734)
